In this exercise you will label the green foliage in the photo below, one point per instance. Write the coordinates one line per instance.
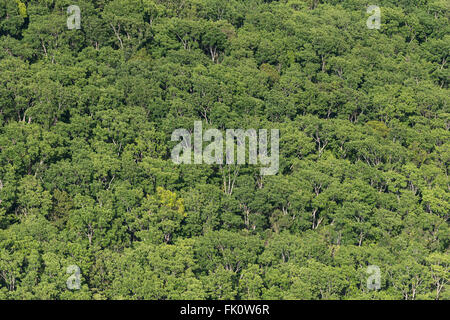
(86, 178)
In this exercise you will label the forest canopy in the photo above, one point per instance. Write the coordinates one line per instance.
(93, 207)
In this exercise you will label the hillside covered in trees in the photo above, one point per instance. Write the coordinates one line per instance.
(89, 194)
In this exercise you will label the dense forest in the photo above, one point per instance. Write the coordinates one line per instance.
(93, 207)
